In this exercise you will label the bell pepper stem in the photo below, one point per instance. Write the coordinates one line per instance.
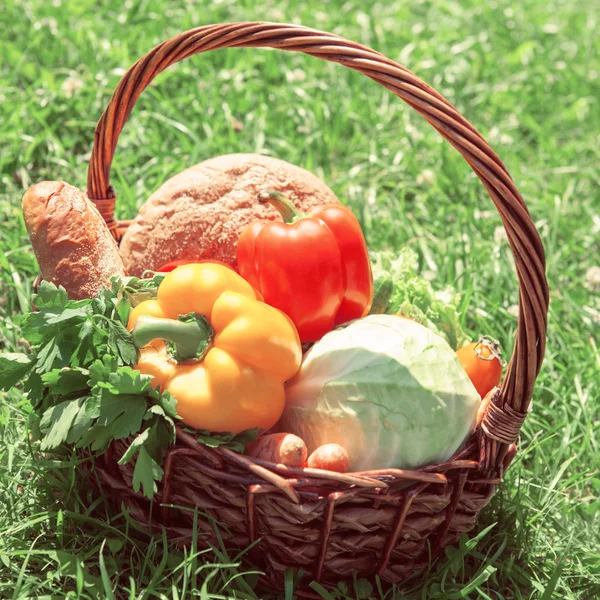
(282, 203)
(189, 336)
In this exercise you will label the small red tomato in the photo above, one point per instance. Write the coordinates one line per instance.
(483, 363)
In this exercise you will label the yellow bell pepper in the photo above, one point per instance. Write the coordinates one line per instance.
(227, 354)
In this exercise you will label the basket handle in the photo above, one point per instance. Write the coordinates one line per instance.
(523, 237)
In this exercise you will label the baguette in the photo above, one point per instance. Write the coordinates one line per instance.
(71, 242)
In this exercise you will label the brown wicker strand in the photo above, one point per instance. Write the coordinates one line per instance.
(167, 476)
(208, 453)
(406, 502)
(358, 478)
(366, 480)
(251, 511)
(325, 531)
(264, 473)
(502, 423)
(451, 465)
(459, 484)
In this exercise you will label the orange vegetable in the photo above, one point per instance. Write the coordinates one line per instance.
(483, 363)
(225, 355)
(285, 448)
(330, 457)
(171, 266)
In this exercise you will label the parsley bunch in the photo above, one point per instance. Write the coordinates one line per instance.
(80, 382)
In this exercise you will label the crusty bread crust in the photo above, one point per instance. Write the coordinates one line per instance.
(199, 213)
(73, 246)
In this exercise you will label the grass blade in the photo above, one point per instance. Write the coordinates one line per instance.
(108, 590)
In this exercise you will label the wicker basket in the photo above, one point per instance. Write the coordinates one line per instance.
(388, 522)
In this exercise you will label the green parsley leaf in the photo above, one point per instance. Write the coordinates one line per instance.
(56, 422)
(99, 305)
(123, 309)
(123, 340)
(85, 330)
(101, 437)
(241, 440)
(84, 419)
(35, 389)
(111, 407)
(50, 322)
(236, 442)
(139, 297)
(32, 327)
(56, 353)
(49, 296)
(130, 421)
(72, 314)
(149, 284)
(85, 350)
(167, 402)
(150, 445)
(101, 369)
(61, 382)
(155, 409)
(108, 296)
(137, 443)
(146, 471)
(126, 380)
(97, 438)
(13, 367)
(46, 357)
(159, 439)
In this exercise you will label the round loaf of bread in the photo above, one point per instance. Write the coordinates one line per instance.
(199, 213)
(71, 242)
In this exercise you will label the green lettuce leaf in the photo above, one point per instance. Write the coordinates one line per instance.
(405, 291)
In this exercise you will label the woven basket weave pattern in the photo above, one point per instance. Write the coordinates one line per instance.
(387, 522)
(389, 531)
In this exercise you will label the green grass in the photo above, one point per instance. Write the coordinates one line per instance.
(524, 73)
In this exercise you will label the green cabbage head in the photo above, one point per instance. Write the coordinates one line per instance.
(388, 389)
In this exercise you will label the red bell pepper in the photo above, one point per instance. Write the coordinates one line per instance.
(315, 268)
